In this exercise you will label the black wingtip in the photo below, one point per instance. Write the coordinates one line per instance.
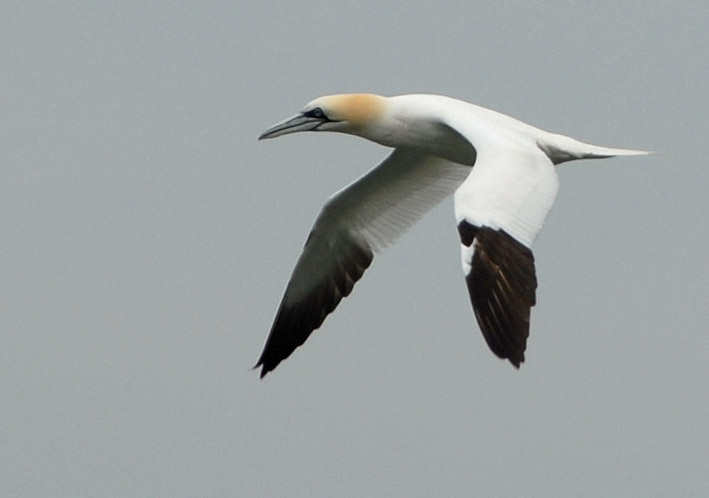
(502, 283)
(516, 362)
(264, 370)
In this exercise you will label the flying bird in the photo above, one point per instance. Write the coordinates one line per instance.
(502, 172)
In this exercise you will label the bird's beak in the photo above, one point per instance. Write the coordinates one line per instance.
(299, 122)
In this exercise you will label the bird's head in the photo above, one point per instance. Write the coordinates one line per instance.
(347, 113)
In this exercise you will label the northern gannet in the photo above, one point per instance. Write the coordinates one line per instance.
(502, 172)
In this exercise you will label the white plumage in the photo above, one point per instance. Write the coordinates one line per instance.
(502, 172)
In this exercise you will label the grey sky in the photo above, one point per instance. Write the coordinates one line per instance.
(147, 238)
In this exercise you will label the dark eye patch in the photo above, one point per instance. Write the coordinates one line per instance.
(315, 113)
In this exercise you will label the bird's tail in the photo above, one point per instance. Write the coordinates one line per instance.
(560, 148)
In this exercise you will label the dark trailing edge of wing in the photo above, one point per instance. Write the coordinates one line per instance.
(295, 322)
(502, 286)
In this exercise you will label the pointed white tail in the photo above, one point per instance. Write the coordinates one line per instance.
(560, 148)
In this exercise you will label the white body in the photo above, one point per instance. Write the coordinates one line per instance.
(501, 170)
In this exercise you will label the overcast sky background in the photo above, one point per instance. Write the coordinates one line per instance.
(146, 238)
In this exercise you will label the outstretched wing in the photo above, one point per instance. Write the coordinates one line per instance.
(356, 222)
(500, 208)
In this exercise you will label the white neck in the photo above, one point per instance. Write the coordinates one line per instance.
(417, 127)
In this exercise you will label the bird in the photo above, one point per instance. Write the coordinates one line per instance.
(500, 171)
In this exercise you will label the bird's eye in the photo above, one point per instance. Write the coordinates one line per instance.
(315, 113)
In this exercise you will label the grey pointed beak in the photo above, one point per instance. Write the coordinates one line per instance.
(297, 123)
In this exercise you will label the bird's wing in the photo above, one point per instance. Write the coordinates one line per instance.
(500, 208)
(364, 217)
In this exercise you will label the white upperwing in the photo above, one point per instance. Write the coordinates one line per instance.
(500, 209)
